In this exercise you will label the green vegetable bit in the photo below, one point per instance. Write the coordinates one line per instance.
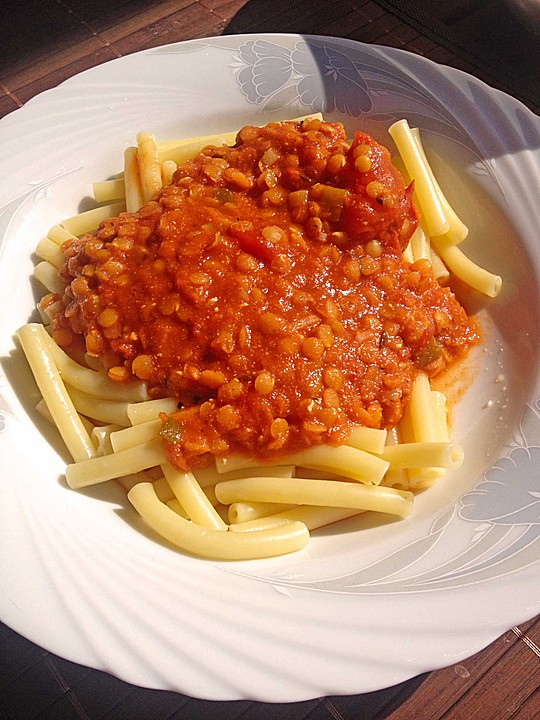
(223, 195)
(171, 431)
(431, 351)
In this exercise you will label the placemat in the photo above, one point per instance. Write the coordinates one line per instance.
(500, 48)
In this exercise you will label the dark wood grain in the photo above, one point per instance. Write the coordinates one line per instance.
(46, 42)
(461, 690)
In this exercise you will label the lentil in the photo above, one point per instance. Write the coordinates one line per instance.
(264, 383)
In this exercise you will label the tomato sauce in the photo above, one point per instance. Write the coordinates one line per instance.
(264, 289)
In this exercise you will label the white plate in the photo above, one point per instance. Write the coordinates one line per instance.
(355, 611)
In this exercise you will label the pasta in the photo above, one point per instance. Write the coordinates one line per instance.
(311, 516)
(444, 227)
(108, 190)
(132, 180)
(54, 392)
(47, 275)
(464, 268)
(192, 499)
(426, 187)
(215, 543)
(345, 460)
(242, 507)
(89, 220)
(149, 167)
(302, 491)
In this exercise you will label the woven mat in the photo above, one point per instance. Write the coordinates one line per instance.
(488, 35)
(481, 37)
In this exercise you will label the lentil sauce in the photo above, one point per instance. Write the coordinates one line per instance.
(264, 289)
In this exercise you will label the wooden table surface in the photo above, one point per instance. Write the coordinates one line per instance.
(45, 42)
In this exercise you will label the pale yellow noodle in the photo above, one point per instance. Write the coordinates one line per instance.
(47, 275)
(59, 234)
(313, 517)
(175, 505)
(424, 185)
(54, 392)
(168, 168)
(90, 220)
(439, 269)
(457, 230)
(108, 190)
(343, 460)
(368, 439)
(149, 166)
(150, 409)
(242, 512)
(192, 498)
(214, 543)
(128, 437)
(132, 180)
(420, 410)
(101, 437)
(105, 411)
(210, 475)
(420, 246)
(424, 454)
(185, 149)
(48, 250)
(464, 268)
(108, 467)
(300, 491)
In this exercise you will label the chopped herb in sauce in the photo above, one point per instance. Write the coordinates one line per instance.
(171, 431)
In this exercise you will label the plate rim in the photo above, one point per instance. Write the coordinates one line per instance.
(399, 53)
